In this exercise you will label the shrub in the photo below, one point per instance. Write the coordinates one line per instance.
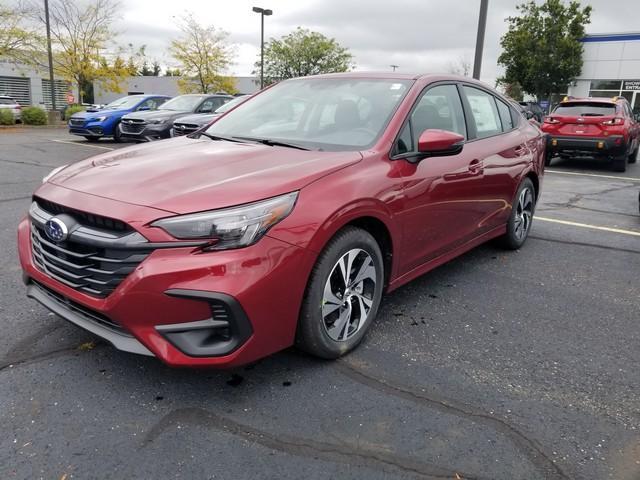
(34, 116)
(6, 117)
(71, 109)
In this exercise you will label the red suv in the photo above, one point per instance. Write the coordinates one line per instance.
(284, 221)
(596, 127)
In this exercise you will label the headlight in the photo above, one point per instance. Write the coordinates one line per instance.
(52, 173)
(234, 227)
(157, 121)
(99, 119)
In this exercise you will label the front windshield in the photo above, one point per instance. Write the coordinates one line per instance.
(184, 103)
(317, 113)
(231, 103)
(123, 103)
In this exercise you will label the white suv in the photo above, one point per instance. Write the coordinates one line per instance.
(10, 103)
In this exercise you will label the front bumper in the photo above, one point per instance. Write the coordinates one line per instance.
(90, 129)
(172, 305)
(588, 146)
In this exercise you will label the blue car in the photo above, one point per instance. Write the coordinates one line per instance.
(94, 124)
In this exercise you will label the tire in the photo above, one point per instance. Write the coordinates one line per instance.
(117, 134)
(521, 217)
(331, 325)
(620, 163)
(547, 159)
(92, 139)
(634, 155)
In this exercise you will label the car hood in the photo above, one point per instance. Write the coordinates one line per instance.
(156, 115)
(198, 118)
(184, 175)
(97, 113)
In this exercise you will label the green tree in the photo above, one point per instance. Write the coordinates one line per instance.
(512, 90)
(172, 72)
(20, 40)
(542, 50)
(203, 55)
(302, 53)
(81, 34)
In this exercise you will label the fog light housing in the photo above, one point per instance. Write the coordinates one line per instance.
(600, 144)
(554, 142)
(226, 330)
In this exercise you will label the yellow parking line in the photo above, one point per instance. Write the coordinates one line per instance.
(616, 177)
(83, 144)
(586, 225)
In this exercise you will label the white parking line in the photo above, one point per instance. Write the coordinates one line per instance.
(586, 225)
(82, 144)
(616, 177)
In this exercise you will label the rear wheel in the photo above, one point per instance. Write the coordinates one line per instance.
(342, 296)
(620, 163)
(521, 217)
(92, 139)
(634, 155)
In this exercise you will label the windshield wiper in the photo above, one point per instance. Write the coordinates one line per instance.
(217, 137)
(274, 143)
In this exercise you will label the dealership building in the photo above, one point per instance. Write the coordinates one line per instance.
(611, 67)
(31, 86)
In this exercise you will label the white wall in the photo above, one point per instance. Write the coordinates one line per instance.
(611, 60)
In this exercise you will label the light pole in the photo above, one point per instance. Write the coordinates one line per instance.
(394, 67)
(51, 79)
(262, 12)
(482, 23)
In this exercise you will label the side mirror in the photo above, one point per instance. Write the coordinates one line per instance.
(528, 114)
(141, 109)
(440, 143)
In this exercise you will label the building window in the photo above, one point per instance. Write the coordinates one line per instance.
(604, 93)
(18, 88)
(606, 85)
(62, 87)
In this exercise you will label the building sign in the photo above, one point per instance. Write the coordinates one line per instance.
(631, 85)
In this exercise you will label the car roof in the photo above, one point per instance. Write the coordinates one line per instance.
(398, 76)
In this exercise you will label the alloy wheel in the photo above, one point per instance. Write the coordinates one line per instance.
(524, 214)
(348, 294)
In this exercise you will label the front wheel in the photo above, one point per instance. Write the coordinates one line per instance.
(117, 133)
(521, 217)
(343, 295)
(634, 155)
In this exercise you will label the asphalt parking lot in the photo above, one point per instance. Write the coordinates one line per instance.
(498, 365)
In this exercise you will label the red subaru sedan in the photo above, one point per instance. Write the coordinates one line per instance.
(283, 222)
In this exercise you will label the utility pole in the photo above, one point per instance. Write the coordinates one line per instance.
(482, 24)
(51, 79)
(262, 13)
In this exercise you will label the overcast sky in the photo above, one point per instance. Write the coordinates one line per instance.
(417, 35)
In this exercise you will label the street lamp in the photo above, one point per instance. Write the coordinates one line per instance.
(262, 12)
(394, 67)
(482, 24)
(50, 55)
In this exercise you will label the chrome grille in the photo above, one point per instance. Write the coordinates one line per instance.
(132, 125)
(93, 261)
(184, 128)
(76, 122)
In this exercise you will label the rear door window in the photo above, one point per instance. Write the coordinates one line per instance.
(585, 109)
(505, 116)
(484, 112)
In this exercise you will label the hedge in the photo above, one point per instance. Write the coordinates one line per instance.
(34, 116)
(71, 109)
(6, 117)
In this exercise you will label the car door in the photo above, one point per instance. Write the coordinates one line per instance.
(500, 148)
(440, 210)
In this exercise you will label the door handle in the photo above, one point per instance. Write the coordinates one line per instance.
(476, 166)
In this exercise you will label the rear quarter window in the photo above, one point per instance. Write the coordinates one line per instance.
(585, 109)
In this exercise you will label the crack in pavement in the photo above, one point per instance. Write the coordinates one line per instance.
(532, 449)
(5, 363)
(34, 164)
(581, 244)
(300, 446)
(5, 200)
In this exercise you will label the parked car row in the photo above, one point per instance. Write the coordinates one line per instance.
(7, 102)
(143, 118)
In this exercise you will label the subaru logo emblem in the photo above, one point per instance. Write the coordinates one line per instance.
(56, 230)
(182, 127)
